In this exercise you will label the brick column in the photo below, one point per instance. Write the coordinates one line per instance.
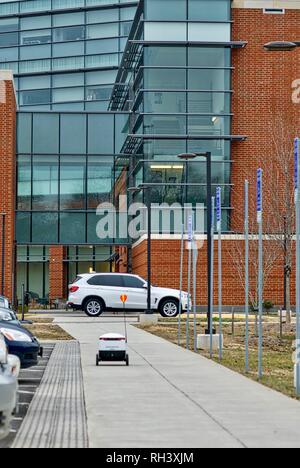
(7, 179)
(56, 272)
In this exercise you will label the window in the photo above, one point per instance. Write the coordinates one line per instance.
(31, 98)
(73, 133)
(133, 282)
(163, 31)
(42, 36)
(75, 33)
(24, 183)
(11, 24)
(72, 182)
(72, 228)
(160, 10)
(45, 133)
(100, 180)
(45, 183)
(96, 144)
(107, 280)
(209, 10)
(10, 39)
(35, 22)
(45, 227)
(165, 56)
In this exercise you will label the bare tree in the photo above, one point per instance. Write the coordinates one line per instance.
(279, 211)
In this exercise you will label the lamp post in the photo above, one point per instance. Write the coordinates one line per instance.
(186, 157)
(207, 155)
(147, 190)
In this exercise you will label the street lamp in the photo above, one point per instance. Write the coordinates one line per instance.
(281, 46)
(186, 157)
(134, 190)
(207, 155)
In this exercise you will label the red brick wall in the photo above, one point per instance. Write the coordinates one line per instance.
(7, 178)
(166, 272)
(57, 276)
(262, 85)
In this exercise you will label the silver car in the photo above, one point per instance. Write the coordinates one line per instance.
(8, 390)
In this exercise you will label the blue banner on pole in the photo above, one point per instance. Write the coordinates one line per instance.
(219, 207)
(259, 195)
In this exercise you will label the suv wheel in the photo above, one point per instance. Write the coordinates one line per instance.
(93, 307)
(169, 308)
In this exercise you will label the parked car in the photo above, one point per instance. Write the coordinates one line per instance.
(8, 388)
(95, 293)
(4, 302)
(21, 343)
(9, 316)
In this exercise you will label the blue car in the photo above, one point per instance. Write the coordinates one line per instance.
(21, 343)
(9, 316)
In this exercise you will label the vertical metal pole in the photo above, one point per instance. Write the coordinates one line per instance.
(195, 259)
(3, 255)
(285, 267)
(219, 229)
(297, 200)
(23, 302)
(189, 291)
(181, 283)
(247, 274)
(260, 274)
(209, 239)
(211, 299)
(149, 305)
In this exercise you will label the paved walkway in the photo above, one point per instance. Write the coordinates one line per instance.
(170, 397)
(56, 416)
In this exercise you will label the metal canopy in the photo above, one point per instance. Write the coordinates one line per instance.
(133, 142)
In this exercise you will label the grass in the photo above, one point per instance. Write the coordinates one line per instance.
(45, 329)
(277, 353)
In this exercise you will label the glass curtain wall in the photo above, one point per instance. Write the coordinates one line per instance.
(64, 55)
(181, 81)
(67, 165)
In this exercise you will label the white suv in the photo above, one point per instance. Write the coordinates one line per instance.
(95, 293)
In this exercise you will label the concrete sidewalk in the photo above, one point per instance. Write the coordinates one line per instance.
(56, 417)
(171, 398)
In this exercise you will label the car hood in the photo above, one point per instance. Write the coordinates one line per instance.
(167, 291)
(16, 327)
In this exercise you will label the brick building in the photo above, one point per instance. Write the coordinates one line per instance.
(191, 78)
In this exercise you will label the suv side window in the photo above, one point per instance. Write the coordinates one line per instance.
(132, 282)
(106, 280)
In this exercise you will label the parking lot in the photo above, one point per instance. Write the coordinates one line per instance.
(29, 382)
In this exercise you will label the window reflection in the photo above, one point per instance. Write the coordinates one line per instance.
(100, 180)
(72, 182)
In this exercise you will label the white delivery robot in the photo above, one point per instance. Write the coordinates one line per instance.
(112, 347)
